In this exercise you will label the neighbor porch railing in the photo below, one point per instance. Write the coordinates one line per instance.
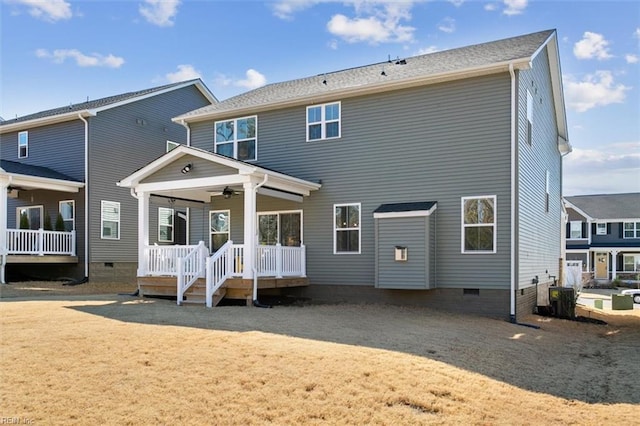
(40, 242)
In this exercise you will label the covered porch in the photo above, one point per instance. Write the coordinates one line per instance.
(32, 244)
(219, 265)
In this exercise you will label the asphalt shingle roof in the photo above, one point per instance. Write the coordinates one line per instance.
(608, 206)
(98, 103)
(397, 70)
(405, 207)
(13, 167)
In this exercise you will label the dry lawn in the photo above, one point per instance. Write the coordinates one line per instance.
(115, 359)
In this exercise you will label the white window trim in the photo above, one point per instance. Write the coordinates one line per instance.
(335, 229)
(211, 233)
(160, 210)
(39, 207)
(473, 225)
(26, 145)
(571, 223)
(635, 263)
(600, 231)
(102, 220)
(636, 230)
(73, 212)
(323, 122)
(278, 213)
(235, 137)
(171, 145)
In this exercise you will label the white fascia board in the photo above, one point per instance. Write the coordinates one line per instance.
(207, 182)
(288, 183)
(414, 213)
(37, 122)
(315, 98)
(35, 182)
(279, 194)
(612, 220)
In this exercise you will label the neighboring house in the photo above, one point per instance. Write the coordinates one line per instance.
(603, 232)
(66, 162)
(432, 180)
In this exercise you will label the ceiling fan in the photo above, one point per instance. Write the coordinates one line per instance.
(227, 192)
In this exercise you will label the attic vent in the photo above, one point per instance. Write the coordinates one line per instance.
(401, 62)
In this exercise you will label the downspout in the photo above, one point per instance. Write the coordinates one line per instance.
(257, 303)
(514, 135)
(86, 196)
(4, 250)
(186, 126)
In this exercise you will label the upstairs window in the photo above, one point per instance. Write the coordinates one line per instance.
(575, 230)
(237, 138)
(529, 116)
(165, 225)
(479, 224)
(632, 230)
(172, 145)
(323, 121)
(23, 144)
(601, 229)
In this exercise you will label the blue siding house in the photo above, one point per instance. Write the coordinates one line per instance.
(431, 180)
(64, 163)
(603, 233)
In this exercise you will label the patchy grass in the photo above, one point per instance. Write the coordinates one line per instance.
(124, 360)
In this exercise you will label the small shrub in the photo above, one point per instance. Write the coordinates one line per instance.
(60, 223)
(47, 223)
(24, 221)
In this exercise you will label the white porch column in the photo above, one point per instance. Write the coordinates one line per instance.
(614, 264)
(4, 186)
(250, 234)
(143, 231)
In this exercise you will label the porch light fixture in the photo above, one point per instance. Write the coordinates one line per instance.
(227, 192)
(186, 169)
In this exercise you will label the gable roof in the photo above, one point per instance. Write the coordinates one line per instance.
(607, 206)
(91, 108)
(445, 65)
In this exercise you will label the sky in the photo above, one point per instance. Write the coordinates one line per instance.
(57, 52)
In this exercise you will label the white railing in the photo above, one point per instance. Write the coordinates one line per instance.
(163, 260)
(219, 267)
(190, 268)
(40, 242)
(281, 261)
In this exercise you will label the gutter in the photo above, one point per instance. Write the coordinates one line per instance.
(186, 126)
(86, 195)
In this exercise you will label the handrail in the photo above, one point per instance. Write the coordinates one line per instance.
(190, 268)
(219, 267)
(40, 242)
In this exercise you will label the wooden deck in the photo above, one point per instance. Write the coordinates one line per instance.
(49, 258)
(233, 288)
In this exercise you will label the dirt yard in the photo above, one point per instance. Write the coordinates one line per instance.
(89, 355)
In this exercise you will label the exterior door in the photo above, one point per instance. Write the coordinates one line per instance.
(602, 266)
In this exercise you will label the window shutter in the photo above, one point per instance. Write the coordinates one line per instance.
(621, 230)
(593, 229)
(608, 228)
(584, 229)
(568, 232)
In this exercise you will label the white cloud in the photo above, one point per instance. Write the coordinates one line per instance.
(592, 45)
(447, 25)
(184, 73)
(490, 7)
(606, 169)
(594, 90)
(427, 50)
(333, 44)
(515, 7)
(47, 10)
(376, 22)
(58, 56)
(160, 12)
(285, 9)
(631, 58)
(253, 81)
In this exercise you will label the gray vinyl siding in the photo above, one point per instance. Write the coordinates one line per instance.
(59, 147)
(200, 168)
(538, 232)
(409, 232)
(122, 140)
(436, 143)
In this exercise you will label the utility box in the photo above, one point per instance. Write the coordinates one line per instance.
(621, 302)
(563, 302)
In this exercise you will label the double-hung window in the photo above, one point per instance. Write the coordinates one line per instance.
(346, 228)
(237, 138)
(219, 226)
(67, 212)
(110, 220)
(323, 121)
(165, 225)
(601, 229)
(23, 144)
(575, 230)
(631, 263)
(632, 230)
(479, 224)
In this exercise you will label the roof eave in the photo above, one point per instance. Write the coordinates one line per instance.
(523, 63)
(37, 122)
